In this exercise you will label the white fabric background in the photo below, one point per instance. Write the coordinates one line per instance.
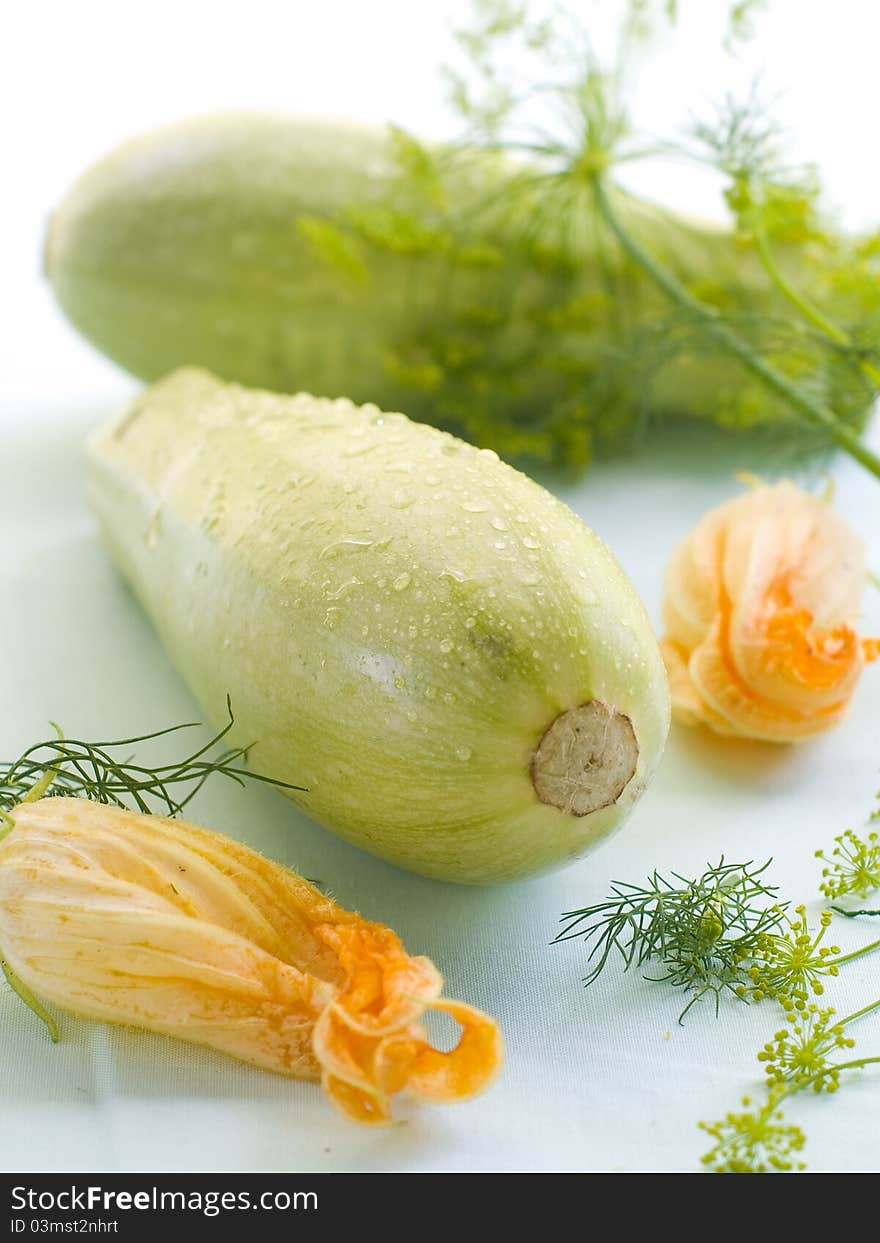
(602, 1079)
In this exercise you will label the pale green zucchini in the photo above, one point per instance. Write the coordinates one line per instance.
(296, 254)
(451, 663)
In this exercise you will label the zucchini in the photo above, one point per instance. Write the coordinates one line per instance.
(442, 653)
(294, 254)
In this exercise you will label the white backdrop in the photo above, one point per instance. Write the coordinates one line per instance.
(602, 1080)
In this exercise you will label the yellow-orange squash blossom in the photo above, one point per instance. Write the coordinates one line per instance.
(136, 919)
(759, 611)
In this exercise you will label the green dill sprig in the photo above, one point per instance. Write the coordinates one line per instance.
(775, 207)
(802, 399)
(705, 931)
(553, 315)
(801, 349)
(724, 931)
(95, 770)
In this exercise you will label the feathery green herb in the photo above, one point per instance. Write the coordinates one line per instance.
(95, 770)
(724, 931)
(706, 931)
(568, 314)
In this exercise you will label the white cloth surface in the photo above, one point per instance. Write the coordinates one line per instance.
(597, 1079)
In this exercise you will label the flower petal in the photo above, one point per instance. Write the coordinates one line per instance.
(760, 601)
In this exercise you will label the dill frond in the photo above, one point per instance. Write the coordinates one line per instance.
(555, 316)
(724, 931)
(706, 931)
(95, 770)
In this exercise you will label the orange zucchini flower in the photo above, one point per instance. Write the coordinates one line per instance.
(136, 919)
(761, 599)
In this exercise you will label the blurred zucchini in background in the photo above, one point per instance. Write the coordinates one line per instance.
(297, 254)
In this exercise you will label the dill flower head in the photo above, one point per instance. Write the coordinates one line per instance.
(853, 866)
(753, 1141)
(792, 963)
(798, 1054)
